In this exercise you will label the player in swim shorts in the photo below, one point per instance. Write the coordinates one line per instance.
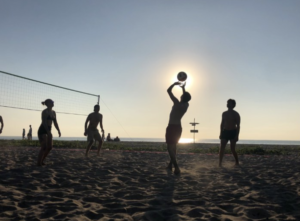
(229, 130)
(173, 133)
(91, 131)
(174, 129)
(228, 134)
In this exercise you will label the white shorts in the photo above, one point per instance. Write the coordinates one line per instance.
(93, 135)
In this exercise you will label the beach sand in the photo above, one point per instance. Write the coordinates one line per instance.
(135, 186)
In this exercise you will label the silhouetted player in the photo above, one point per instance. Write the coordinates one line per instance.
(230, 130)
(44, 131)
(2, 124)
(174, 129)
(91, 131)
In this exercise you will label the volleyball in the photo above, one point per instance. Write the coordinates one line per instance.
(181, 76)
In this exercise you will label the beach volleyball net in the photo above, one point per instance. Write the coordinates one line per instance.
(27, 94)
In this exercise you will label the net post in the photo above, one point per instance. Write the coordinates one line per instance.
(98, 99)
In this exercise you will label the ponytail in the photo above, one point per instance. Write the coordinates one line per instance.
(46, 101)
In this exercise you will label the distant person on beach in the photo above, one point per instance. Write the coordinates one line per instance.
(174, 129)
(229, 130)
(117, 139)
(91, 131)
(2, 124)
(108, 138)
(44, 131)
(23, 134)
(30, 133)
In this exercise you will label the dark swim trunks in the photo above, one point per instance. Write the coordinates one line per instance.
(173, 133)
(228, 134)
(42, 131)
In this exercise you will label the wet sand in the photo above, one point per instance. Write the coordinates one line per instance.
(124, 185)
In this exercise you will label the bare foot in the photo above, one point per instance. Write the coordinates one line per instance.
(236, 165)
(177, 171)
(169, 167)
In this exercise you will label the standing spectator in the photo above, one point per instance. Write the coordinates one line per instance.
(108, 138)
(30, 133)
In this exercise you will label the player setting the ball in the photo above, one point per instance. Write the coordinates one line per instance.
(174, 129)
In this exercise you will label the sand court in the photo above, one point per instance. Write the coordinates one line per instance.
(135, 186)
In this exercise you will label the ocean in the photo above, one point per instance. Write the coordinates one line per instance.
(185, 140)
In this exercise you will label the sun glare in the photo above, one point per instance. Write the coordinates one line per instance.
(185, 140)
(188, 81)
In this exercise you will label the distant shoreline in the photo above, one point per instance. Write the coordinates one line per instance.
(201, 148)
(162, 140)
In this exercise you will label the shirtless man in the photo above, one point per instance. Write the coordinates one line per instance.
(173, 131)
(91, 131)
(2, 124)
(230, 130)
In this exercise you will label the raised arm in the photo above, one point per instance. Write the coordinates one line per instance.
(56, 124)
(2, 124)
(173, 98)
(183, 88)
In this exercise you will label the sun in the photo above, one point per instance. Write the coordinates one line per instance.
(185, 140)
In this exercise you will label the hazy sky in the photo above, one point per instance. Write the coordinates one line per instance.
(130, 51)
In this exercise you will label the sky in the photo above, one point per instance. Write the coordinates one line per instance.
(129, 52)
